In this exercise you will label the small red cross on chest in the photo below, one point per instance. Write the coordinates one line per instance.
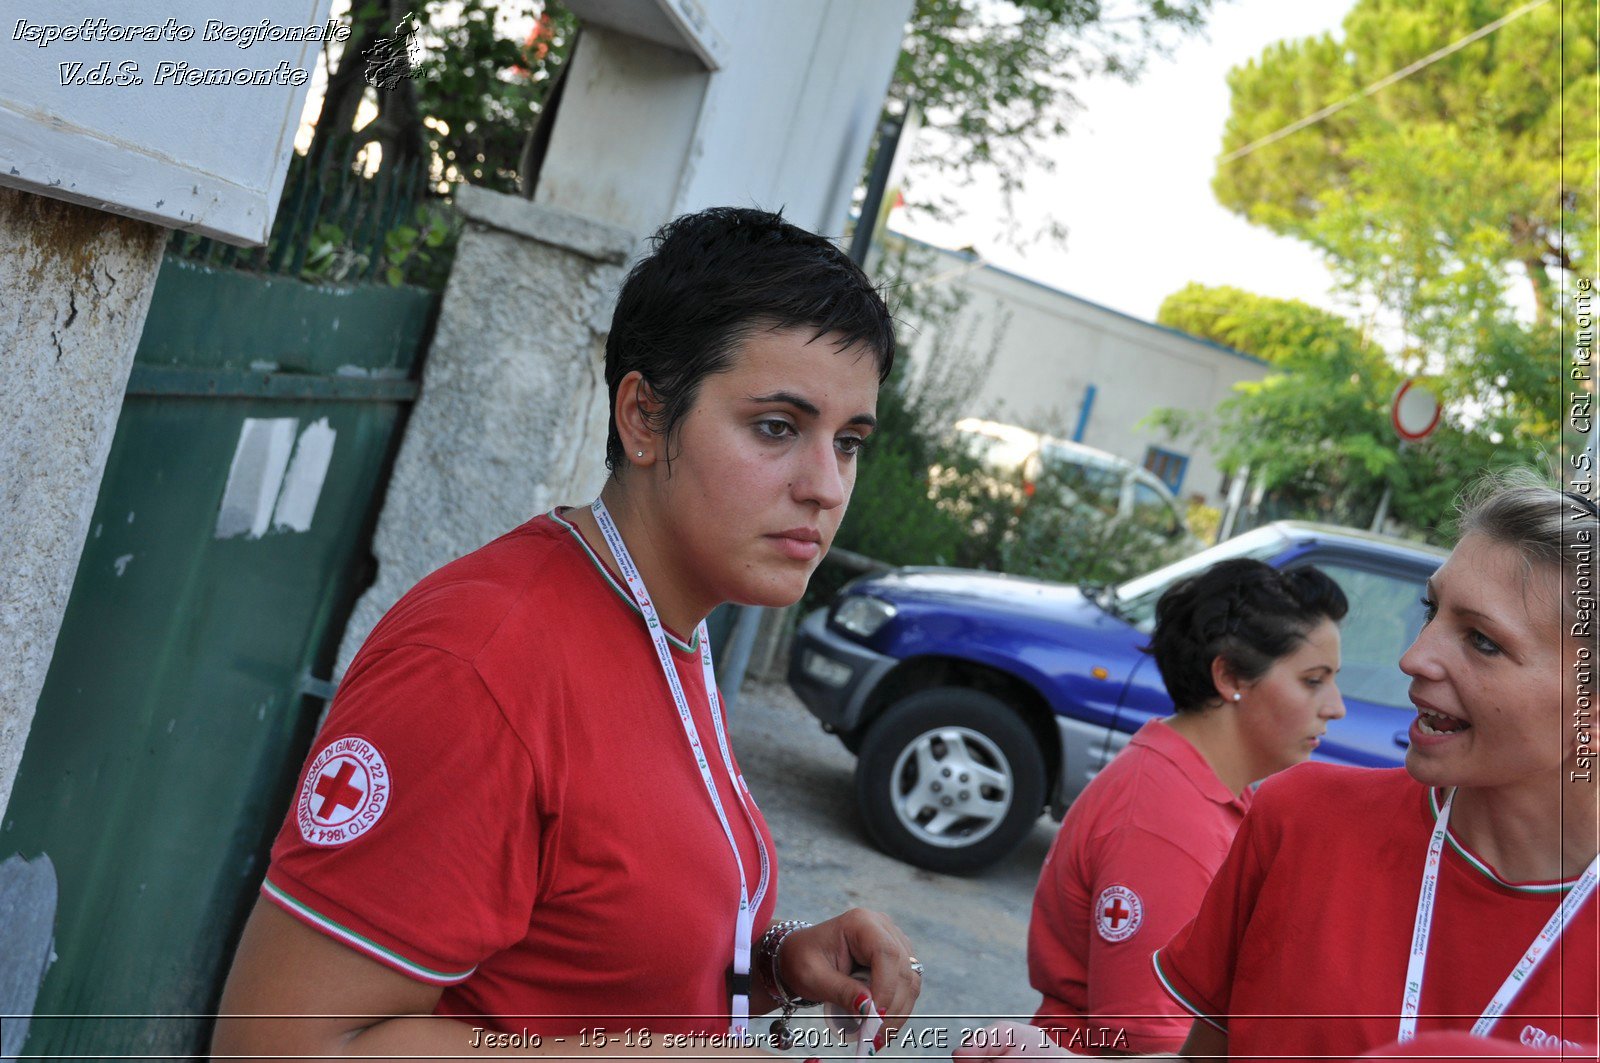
(336, 791)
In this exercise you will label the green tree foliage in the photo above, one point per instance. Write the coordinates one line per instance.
(455, 86)
(1449, 200)
(481, 93)
(1286, 332)
(1316, 429)
(1437, 195)
(1436, 185)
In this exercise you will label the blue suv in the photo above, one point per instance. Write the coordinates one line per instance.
(973, 700)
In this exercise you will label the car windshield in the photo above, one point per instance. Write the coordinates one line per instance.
(1136, 599)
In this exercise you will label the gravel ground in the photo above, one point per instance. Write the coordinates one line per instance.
(971, 933)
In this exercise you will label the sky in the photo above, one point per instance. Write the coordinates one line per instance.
(1133, 181)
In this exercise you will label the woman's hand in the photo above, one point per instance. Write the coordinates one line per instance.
(1011, 1040)
(816, 963)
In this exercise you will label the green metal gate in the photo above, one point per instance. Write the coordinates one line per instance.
(226, 549)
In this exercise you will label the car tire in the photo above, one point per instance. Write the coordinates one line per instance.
(950, 779)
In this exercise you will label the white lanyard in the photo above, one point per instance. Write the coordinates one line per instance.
(1519, 975)
(743, 928)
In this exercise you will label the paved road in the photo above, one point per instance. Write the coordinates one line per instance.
(970, 932)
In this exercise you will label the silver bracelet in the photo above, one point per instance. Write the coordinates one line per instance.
(766, 966)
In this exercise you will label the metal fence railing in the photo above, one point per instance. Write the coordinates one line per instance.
(337, 224)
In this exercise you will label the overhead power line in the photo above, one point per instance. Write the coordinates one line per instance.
(1382, 83)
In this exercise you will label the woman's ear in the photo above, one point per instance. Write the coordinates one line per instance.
(636, 406)
(1223, 677)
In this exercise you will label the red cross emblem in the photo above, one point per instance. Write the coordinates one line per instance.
(345, 792)
(336, 792)
(1118, 913)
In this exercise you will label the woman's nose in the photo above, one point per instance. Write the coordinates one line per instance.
(1420, 661)
(820, 478)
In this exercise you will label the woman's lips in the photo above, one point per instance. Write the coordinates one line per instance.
(800, 544)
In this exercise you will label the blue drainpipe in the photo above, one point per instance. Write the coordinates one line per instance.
(1083, 413)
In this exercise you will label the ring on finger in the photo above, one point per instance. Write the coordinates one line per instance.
(916, 966)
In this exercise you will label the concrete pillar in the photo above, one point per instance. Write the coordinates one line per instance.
(75, 284)
(512, 416)
(621, 143)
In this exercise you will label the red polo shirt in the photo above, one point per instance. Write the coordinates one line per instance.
(1300, 947)
(504, 802)
(1128, 869)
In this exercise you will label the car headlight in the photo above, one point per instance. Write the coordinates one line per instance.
(862, 616)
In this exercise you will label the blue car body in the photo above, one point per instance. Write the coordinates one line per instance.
(1069, 660)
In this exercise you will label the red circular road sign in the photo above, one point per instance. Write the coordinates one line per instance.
(1414, 412)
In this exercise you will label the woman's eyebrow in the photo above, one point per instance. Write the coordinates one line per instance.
(809, 408)
(1456, 607)
(789, 398)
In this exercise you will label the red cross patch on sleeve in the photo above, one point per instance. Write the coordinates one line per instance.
(346, 789)
(1118, 913)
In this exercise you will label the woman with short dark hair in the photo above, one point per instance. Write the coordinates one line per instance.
(522, 813)
(1248, 655)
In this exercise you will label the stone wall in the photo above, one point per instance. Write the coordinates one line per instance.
(513, 411)
(76, 284)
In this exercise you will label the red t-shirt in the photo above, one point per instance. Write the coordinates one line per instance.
(503, 802)
(1300, 947)
(1128, 868)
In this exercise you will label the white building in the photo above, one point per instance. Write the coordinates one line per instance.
(1076, 369)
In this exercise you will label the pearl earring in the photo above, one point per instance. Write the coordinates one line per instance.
(1237, 696)
(638, 453)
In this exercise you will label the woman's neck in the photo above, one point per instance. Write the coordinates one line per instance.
(1212, 732)
(1542, 832)
(675, 603)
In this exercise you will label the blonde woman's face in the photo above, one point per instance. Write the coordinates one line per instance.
(1487, 672)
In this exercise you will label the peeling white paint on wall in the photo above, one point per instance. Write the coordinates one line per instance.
(256, 476)
(297, 503)
(275, 480)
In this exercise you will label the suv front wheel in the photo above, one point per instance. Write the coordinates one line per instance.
(949, 779)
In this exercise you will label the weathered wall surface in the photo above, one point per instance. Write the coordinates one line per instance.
(645, 133)
(512, 416)
(76, 286)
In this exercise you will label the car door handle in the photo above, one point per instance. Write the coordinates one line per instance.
(1403, 739)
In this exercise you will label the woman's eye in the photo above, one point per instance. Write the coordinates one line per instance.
(1429, 609)
(1483, 643)
(775, 428)
(850, 446)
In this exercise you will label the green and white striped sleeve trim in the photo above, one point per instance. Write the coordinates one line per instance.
(389, 957)
(1182, 1001)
